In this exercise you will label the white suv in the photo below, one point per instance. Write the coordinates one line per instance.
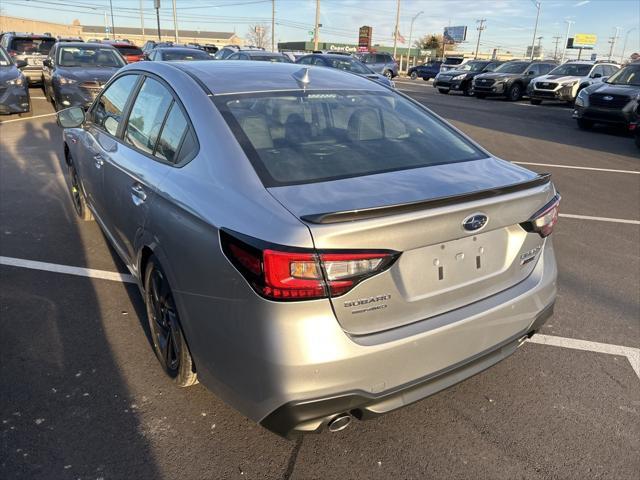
(564, 82)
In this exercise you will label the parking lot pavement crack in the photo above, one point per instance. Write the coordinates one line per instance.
(291, 464)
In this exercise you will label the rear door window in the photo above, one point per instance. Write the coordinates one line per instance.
(147, 116)
(173, 133)
(107, 112)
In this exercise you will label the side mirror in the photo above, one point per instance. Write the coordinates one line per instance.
(531, 72)
(70, 117)
(21, 63)
(47, 63)
(596, 75)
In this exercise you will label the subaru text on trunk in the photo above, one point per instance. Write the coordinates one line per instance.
(311, 245)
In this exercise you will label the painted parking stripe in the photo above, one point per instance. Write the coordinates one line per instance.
(632, 354)
(27, 118)
(57, 268)
(575, 167)
(600, 219)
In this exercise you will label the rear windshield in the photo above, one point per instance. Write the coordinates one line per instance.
(453, 61)
(270, 58)
(89, 57)
(305, 137)
(129, 50)
(171, 54)
(348, 64)
(31, 45)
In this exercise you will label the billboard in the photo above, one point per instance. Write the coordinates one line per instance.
(584, 40)
(537, 51)
(455, 34)
(364, 37)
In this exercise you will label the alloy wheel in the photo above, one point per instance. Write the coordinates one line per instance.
(164, 322)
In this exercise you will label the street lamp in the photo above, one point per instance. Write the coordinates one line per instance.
(535, 29)
(410, 34)
(624, 45)
(566, 39)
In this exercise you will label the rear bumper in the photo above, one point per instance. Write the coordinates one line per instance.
(311, 415)
(34, 75)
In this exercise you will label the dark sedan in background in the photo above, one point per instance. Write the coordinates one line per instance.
(461, 79)
(14, 87)
(612, 102)
(172, 54)
(346, 63)
(510, 80)
(260, 56)
(74, 73)
(426, 71)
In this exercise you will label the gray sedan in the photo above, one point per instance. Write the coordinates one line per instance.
(312, 246)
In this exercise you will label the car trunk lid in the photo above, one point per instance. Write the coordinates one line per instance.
(420, 213)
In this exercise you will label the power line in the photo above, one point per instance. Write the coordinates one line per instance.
(480, 28)
(556, 41)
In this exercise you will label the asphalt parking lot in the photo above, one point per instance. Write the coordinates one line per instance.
(82, 396)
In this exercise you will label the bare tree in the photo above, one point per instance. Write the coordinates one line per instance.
(259, 35)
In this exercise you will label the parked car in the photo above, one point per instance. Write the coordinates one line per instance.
(68, 39)
(636, 119)
(612, 102)
(210, 48)
(564, 82)
(74, 73)
(30, 48)
(129, 51)
(346, 63)
(170, 54)
(451, 63)
(461, 79)
(14, 87)
(510, 79)
(260, 56)
(380, 62)
(310, 245)
(229, 50)
(151, 44)
(426, 71)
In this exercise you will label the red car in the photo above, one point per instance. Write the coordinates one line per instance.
(130, 52)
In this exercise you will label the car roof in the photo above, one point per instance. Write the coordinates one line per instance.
(262, 53)
(86, 44)
(177, 49)
(230, 77)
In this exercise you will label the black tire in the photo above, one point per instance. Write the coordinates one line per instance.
(444, 91)
(426, 79)
(77, 197)
(466, 89)
(414, 75)
(585, 124)
(515, 93)
(388, 74)
(168, 339)
(480, 95)
(535, 101)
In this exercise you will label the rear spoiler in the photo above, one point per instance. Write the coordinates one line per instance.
(375, 212)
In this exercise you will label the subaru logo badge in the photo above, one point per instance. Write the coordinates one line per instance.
(475, 222)
(608, 98)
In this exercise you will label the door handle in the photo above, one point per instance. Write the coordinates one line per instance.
(138, 195)
(99, 160)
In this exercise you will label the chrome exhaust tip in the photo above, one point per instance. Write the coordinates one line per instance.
(339, 422)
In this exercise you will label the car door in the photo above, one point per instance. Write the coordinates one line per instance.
(532, 72)
(133, 172)
(99, 140)
(597, 73)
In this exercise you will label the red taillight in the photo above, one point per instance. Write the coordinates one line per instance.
(13, 53)
(298, 274)
(543, 221)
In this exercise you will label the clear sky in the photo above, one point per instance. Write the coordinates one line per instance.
(509, 23)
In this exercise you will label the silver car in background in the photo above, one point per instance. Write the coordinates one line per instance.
(312, 246)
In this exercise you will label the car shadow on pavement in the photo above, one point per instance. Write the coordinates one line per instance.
(65, 407)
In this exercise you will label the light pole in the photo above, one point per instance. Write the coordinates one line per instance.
(142, 20)
(481, 27)
(395, 32)
(613, 42)
(410, 34)
(175, 22)
(273, 25)
(566, 39)
(624, 45)
(156, 5)
(113, 27)
(535, 29)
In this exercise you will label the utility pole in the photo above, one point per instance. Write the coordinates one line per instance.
(142, 20)
(106, 24)
(555, 51)
(612, 41)
(395, 33)
(273, 25)
(624, 45)
(480, 28)
(156, 5)
(410, 34)
(566, 39)
(175, 22)
(113, 27)
(316, 30)
(535, 29)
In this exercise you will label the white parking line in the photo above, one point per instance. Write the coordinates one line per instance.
(600, 219)
(39, 98)
(632, 354)
(27, 118)
(57, 268)
(574, 167)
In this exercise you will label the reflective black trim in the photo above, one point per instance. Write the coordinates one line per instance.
(375, 212)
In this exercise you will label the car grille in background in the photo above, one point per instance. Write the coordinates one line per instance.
(606, 100)
(543, 93)
(484, 82)
(546, 85)
(2, 90)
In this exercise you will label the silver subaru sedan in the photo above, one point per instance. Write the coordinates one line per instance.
(312, 246)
